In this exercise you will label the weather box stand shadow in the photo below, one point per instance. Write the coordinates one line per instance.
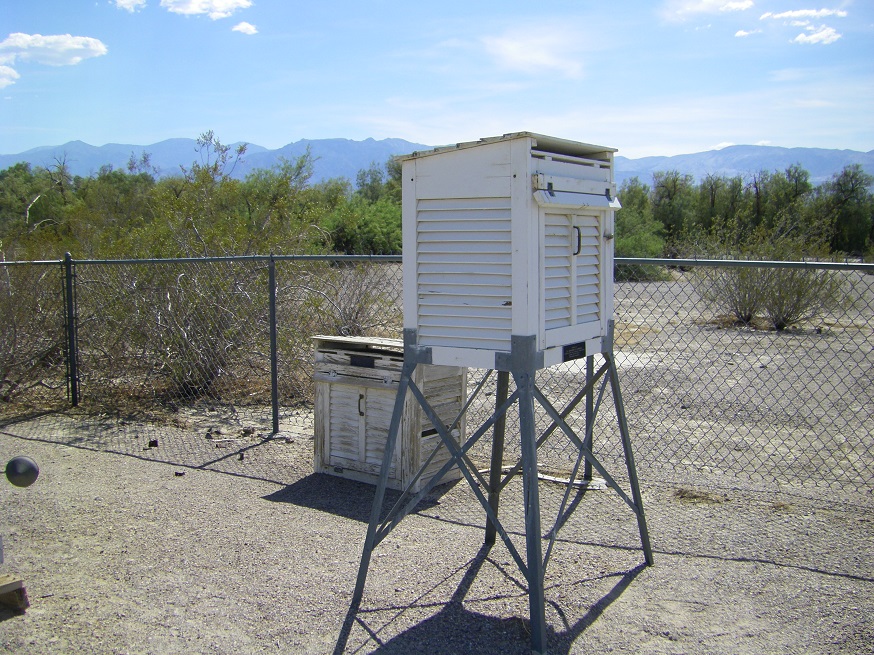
(508, 267)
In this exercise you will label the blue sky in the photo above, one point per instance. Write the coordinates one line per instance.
(649, 78)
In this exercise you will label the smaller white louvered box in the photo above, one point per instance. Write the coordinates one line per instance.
(509, 236)
(356, 385)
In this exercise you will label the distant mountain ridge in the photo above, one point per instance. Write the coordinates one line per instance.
(731, 161)
(344, 158)
(332, 157)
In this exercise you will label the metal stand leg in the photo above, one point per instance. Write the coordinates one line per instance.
(495, 471)
(590, 414)
(379, 498)
(629, 460)
(531, 492)
(524, 369)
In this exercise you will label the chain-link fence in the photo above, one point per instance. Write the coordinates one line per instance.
(712, 389)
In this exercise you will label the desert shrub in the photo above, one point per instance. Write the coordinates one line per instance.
(172, 331)
(793, 295)
(339, 299)
(356, 300)
(736, 291)
(208, 328)
(31, 329)
(784, 296)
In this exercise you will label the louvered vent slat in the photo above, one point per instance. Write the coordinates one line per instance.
(557, 264)
(464, 272)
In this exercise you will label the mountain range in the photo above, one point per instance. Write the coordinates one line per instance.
(344, 158)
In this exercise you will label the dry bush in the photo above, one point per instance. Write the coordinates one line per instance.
(174, 331)
(735, 291)
(362, 299)
(781, 296)
(793, 295)
(31, 329)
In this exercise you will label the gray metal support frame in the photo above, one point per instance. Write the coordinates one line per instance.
(522, 362)
(497, 462)
(522, 366)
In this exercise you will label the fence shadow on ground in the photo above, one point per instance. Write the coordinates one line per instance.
(276, 459)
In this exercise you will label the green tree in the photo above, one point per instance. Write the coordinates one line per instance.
(638, 234)
(205, 211)
(370, 182)
(110, 205)
(673, 205)
(846, 204)
(361, 228)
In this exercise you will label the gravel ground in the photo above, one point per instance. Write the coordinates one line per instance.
(187, 547)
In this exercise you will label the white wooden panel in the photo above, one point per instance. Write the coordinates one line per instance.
(379, 406)
(557, 270)
(343, 424)
(599, 187)
(469, 173)
(573, 167)
(526, 237)
(464, 271)
(588, 263)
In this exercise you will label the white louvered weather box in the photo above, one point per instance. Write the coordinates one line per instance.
(356, 384)
(506, 236)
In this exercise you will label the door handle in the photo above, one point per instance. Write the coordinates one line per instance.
(579, 241)
(360, 400)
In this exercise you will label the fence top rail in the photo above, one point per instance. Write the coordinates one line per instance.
(747, 263)
(39, 262)
(632, 261)
(201, 260)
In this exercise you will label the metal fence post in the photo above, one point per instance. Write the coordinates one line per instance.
(274, 356)
(72, 338)
(590, 414)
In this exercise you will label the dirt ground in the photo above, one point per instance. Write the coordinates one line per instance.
(143, 538)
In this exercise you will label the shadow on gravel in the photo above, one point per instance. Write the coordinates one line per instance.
(346, 498)
(22, 418)
(257, 456)
(455, 629)
(6, 614)
(326, 493)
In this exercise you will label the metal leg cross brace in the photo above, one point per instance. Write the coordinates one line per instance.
(522, 364)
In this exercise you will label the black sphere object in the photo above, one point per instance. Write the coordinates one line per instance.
(22, 471)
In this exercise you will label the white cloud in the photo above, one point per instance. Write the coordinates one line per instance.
(741, 33)
(742, 5)
(823, 35)
(802, 17)
(720, 146)
(532, 53)
(679, 10)
(245, 28)
(764, 142)
(805, 13)
(7, 76)
(54, 50)
(130, 5)
(215, 9)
